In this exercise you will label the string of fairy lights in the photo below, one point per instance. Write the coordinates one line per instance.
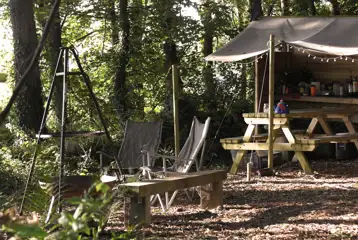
(310, 54)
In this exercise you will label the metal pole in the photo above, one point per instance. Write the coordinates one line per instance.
(43, 122)
(175, 77)
(271, 100)
(63, 128)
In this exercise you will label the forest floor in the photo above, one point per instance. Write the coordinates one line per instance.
(290, 205)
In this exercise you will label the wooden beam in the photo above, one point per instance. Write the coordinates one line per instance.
(265, 146)
(326, 128)
(312, 127)
(169, 184)
(247, 137)
(236, 163)
(350, 127)
(265, 121)
(304, 162)
(271, 100)
(288, 134)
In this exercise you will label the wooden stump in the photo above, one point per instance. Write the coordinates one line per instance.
(212, 196)
(136, 211)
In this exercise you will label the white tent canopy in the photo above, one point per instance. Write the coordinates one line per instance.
(330, 35)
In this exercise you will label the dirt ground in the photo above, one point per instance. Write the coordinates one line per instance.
(287, 206)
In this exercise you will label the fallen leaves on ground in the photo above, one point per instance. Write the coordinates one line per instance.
(290, 205)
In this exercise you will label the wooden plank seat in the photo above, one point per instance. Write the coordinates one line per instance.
(137, 194)
(302, 142)
(258, 137)
(341, 138)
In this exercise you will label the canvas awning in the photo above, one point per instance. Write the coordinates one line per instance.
(330, 35)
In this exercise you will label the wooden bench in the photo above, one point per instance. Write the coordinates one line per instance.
(258, 137)
(137, 194)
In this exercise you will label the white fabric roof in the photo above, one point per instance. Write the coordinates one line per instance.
(331, 35)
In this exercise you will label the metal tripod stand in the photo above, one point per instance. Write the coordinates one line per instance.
(64, 56)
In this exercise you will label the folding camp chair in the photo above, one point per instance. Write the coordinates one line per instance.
(139, 137)
(186, 158)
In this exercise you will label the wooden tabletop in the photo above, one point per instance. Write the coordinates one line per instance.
(306, 113)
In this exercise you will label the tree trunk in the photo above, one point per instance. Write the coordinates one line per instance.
(171, 56)
(243, 89)
(120, 90)
(285, 8)
(256, 9)
(54, 50)
(335, 7)
(114, 25)
(313, 7)
(29, 104)
(207, 50)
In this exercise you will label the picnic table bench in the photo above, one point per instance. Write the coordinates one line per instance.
(298, 141)
(137, 194)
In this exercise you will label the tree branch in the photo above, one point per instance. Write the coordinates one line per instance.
(35, 57)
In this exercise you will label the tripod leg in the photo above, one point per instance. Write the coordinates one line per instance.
(50, 209)
(94, 99)
(43, 121)
(63, 127)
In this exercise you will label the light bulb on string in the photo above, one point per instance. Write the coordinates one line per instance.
(309, 55)
(321, 59)
(346, 58)
(353, 60)
(341, 57)
(328, 60)
(314, 57)
(335, 60)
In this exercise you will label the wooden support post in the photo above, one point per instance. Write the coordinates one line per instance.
(271, 100)
(326, 128)
(175, 77)
(350, 127)
(240, 154)
(311, 127)
(257, 91)
(304, 163)
(136, 211)
(211, 197)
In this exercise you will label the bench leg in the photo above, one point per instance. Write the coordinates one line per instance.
(211, 197)
(137, 211)
(304, 162)
(240, 154)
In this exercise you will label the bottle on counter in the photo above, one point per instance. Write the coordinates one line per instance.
(349, 87)
(336, 88)
(355, 87)
(341, 90)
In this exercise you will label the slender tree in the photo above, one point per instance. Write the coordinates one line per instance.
(335, 7)
(114, 23)
(170, 50)
(285, 8)
(29, 104)
(256, 9)
(120, 90)
(208, 37)
(312, 7)
(54, 44)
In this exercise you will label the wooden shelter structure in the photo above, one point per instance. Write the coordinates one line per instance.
(302, 51)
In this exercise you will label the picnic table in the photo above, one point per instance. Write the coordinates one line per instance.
(298, 141)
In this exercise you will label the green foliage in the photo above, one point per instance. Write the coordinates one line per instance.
(87, 221)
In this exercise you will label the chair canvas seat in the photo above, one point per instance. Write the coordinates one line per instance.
(187, 156)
